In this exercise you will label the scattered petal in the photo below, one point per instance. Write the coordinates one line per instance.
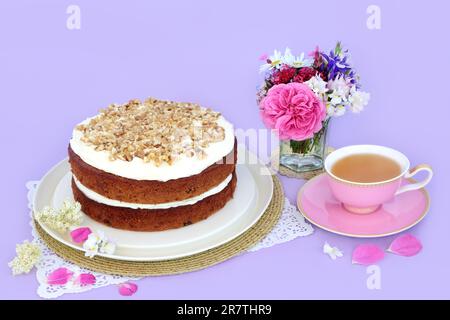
(333, 252)
(27, 255)
(80, 235)
(127, 289)
(85, 279)
(367, 254)
(59, 276)
(405, 245)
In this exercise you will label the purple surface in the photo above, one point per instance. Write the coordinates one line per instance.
(52, 77)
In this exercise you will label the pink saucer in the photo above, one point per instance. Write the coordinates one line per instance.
(319, 206)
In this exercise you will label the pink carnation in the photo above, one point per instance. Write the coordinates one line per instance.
(293, 110)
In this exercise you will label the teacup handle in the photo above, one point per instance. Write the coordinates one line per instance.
(412, 172)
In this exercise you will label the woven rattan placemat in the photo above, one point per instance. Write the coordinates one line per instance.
(181, 265)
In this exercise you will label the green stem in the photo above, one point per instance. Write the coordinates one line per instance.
(300, 146)
(305, 146)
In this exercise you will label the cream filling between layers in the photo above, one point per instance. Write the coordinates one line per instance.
(117, 203)
(137, 169)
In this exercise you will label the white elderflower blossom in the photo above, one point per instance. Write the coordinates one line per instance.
(28, 254)
(61, 220)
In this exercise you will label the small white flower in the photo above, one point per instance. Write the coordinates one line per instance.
(61, 220)
(296, 62)
(317, 84)
(98, 243)
(288, 58)
(333, 252)
(91, 245)
(276, 58)
(339, 111)
(108, 247)
(275, 61)
(358, 100)
(335, 98)
(28, 255)
(300, 61)
(335, 110)
(341, 86)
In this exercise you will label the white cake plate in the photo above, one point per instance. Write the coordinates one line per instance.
(252, 197)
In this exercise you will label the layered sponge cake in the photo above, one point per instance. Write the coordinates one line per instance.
(153, 165)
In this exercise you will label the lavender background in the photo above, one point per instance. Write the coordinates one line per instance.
(207, 52)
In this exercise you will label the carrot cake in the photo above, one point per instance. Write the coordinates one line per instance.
(153, 165)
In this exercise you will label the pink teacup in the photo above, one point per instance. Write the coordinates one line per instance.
(364, 198)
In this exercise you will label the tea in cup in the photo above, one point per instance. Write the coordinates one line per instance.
(363, 177)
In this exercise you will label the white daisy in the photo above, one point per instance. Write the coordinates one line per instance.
(275, 61)
(300, 61)
(288, 58)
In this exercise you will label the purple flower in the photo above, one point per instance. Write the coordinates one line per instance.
(335, 64)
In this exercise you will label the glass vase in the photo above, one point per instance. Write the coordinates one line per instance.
(305, 155)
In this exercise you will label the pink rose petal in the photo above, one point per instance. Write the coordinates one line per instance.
(85, 279)
(128, 289)
(59, 276)
(293, 110)
(405, 245)
(367, 254)
(80, 235)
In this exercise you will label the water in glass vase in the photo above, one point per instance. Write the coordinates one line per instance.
(306, 155)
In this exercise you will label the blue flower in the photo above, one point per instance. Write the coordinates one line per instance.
(335, 64)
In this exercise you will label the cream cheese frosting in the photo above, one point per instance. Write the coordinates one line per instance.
(137, 169)
(116, 203)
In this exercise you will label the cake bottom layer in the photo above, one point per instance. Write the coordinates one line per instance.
(154, 219)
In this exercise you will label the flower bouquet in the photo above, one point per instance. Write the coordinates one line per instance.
(300, 95)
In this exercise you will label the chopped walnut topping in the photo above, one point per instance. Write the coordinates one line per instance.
(155, 131)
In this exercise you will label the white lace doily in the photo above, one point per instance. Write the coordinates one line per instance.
(291, 225)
